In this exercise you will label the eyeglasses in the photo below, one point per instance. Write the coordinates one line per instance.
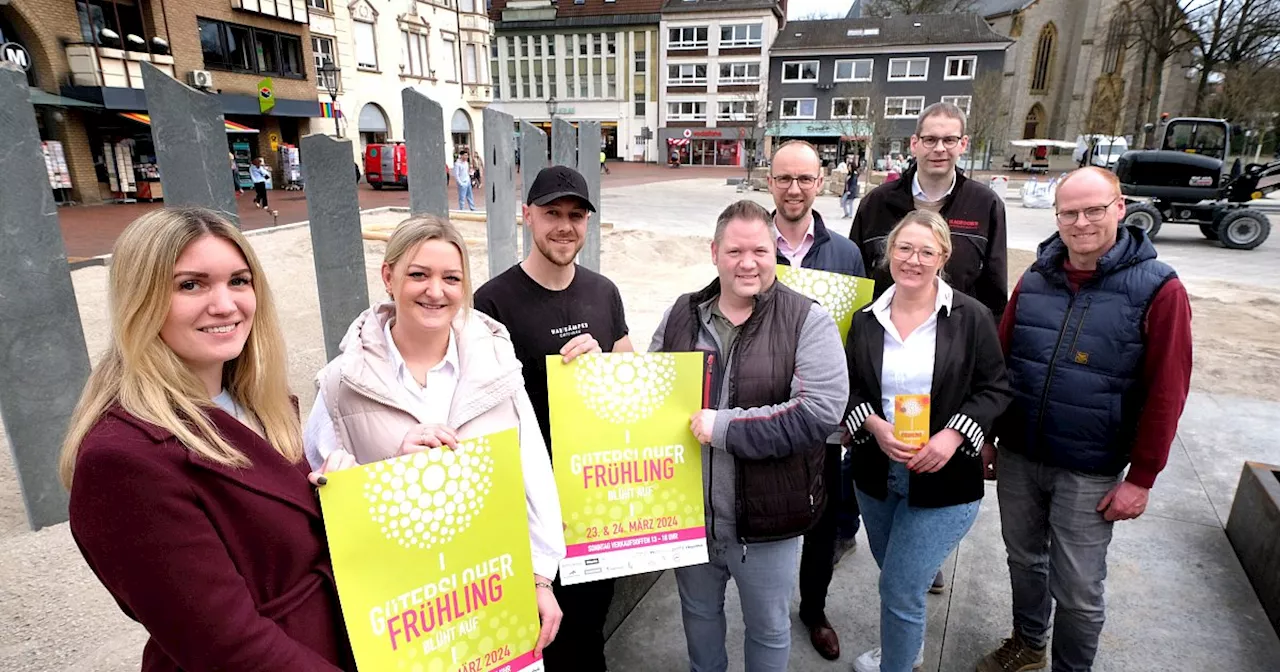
(785, 181)
(1094, 214)
(927, 255)
(932, 141)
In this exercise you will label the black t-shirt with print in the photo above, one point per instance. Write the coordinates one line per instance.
(541, 321)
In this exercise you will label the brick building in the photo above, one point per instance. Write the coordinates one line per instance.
(85, 61)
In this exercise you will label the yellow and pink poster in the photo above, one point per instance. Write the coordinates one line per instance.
(432, 559)
(627, 466)
(842, 295)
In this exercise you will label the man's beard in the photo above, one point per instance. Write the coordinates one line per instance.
(545, 250)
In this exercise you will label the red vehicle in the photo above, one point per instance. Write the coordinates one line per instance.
(386, 164)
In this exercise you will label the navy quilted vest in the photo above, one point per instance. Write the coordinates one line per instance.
(1075, 361)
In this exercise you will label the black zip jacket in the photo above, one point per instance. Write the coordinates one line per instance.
(978, 264)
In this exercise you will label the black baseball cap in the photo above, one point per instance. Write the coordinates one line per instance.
(556, 182)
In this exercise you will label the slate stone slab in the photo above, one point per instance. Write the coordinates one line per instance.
(500, 190)
(589, 166)
(533, 158)
(337, 245)
(1254, 531)
(43, 359)
(190, 137)
(425, 148)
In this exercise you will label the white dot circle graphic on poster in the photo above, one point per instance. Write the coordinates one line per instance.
(625, 388)
(432, 497)
(837, 298)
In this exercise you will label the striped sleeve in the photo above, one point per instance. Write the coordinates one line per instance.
(970, 430)
(858, 416)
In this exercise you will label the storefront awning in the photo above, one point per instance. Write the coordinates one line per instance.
(232, 127)
(679, 142)
(820, 128)
(39, 97)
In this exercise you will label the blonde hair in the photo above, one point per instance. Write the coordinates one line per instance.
(149, 381)
(926, 218)
(413, 232)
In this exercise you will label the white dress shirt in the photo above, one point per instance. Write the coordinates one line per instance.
(917, 191)
(430, 405)
(907, 367)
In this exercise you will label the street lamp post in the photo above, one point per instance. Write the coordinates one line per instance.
(330, 73)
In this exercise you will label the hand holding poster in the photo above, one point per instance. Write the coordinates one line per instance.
(628, 469)
(842, 295)
(431, 555)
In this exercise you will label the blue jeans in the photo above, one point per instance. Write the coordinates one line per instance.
(465, 198)
(846, 203)
(1057, 543)
(765, 574)
(909, 544)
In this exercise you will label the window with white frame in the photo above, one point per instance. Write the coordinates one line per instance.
(741, 35)
(799, 108)
(854, 70)
(739, 73)
(687, 110)
(413, 54)
(322, 5)
(961, 67)
(449, 60)
(903, 107)
(471, 66)
(640, 101)
(366, 45)
(908, 69)
(687, 73)
(850, 108)
(737, 110)
(322, 50)
(687, 37)
(800, 71)
(642, 61)
(962, 102)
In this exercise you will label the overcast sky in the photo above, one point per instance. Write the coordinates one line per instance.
(798, 8)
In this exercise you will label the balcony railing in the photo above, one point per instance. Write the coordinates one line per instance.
(105, 67)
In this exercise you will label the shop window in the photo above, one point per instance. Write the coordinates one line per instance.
(227, 46)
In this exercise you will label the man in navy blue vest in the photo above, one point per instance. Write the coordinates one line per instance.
(795, 178)
(1097, 339)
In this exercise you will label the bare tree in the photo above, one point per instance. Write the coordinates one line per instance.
(1163, 29)
(987, 117)
(901, 7)
(1232, 32)
(760, 118)
(819, 15)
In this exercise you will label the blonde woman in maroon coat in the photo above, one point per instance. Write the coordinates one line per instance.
(189, 492)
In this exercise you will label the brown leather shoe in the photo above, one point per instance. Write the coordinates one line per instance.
(824, 639)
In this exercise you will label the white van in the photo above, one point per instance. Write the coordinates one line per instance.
(1106, 150)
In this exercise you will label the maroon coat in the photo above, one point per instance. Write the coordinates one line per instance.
(227, 569)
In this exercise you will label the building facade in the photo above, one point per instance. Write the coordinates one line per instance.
(1074, 69)
(586, 60)
(853, 85)
(85, 56)
(438, 47)
(714, 67)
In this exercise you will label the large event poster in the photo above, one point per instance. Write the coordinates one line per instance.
(627, 466)
(842, 295)
(431, 554)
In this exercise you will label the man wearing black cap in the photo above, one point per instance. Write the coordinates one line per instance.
(553, 306)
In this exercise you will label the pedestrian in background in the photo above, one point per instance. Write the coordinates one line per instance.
(259, 173)
(462, 178)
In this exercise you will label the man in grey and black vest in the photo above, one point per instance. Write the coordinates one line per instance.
(774, 399)
(1097, 340)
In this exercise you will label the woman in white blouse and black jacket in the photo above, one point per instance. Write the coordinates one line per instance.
(919, 337)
